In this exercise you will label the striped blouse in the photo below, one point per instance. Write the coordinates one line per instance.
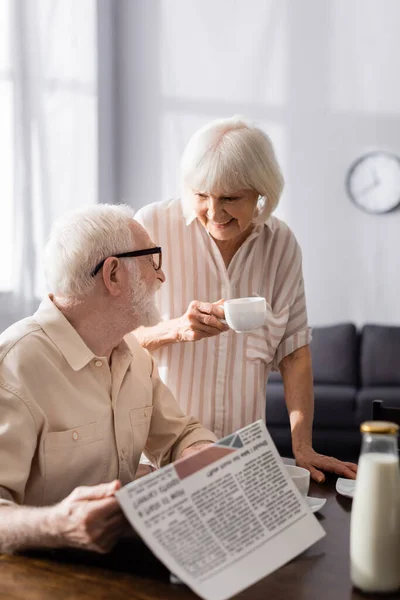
(222, 380)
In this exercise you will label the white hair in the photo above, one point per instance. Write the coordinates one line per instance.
(229, 155)
(82, 238)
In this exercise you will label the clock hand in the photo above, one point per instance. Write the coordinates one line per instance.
(375, 176)
(369, 187)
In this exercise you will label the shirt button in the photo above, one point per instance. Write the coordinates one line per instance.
(98, 363)
(75, 435)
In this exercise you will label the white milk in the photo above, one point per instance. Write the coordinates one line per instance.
(375, 524)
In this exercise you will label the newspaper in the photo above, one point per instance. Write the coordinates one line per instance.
(224, 517)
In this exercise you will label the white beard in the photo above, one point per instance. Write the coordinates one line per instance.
(145, 312)
(151, 315)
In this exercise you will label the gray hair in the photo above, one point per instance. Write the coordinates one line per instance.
(79, 240)
(230, 155)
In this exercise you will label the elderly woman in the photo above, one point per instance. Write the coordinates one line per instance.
(220, 240)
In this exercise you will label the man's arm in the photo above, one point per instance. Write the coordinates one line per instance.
(89, 518)
(202, 319)
(23, 527)
(194, 448)
(296, 370)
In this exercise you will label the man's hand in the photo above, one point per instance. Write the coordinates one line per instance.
(316, 463)
(202, 319)
(194, 448)
(89, 518)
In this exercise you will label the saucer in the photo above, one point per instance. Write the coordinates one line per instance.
(345, 487)
(315, 503)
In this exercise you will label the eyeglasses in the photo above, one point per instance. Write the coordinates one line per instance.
(155, 252)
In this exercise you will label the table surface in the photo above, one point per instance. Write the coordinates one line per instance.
(131, 571)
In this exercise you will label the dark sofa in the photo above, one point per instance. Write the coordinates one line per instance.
(351, 369)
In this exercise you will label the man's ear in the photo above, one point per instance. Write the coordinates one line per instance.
(112, 275)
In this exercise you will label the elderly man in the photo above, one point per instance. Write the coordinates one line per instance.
(80, 400)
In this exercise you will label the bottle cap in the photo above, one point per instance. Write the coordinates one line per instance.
(379, 427)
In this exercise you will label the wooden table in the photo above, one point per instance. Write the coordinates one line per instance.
(131, 571)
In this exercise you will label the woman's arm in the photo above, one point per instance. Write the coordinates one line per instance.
(296, 370)
(202, 319)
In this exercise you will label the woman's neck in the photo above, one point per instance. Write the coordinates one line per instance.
(228, 248)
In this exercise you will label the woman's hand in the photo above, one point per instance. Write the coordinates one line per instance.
(202, 319)
(316, 463)
(89, 518)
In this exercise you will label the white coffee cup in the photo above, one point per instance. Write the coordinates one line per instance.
(300, 478)
(245, 314)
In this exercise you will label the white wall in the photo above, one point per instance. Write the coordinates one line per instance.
(321, 76)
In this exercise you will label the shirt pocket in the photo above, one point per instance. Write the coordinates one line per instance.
(72, 458)
(140, 423)
(262, 344)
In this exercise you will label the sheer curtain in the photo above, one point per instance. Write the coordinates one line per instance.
(48, 134)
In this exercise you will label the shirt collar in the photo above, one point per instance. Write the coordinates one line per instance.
(65, 337)
(191, 216)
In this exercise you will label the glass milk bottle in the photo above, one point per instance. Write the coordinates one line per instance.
(375, 514)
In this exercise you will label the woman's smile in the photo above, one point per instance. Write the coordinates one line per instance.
(221, 225)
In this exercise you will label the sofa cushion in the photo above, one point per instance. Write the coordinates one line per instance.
(335, 354)
(276, 412)
(380, 355)
(340, 443)
(334, 406)
(275, 377)
(389, 395)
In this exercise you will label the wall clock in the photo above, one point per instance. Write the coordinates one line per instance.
(373, 182)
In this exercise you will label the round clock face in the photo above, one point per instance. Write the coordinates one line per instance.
(373, 182)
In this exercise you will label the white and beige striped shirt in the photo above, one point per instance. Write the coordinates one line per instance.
(222, 380)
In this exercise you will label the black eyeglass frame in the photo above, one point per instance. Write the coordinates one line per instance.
(146, 252)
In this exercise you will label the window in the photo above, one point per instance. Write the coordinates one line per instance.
(48, 125)
(6, 145)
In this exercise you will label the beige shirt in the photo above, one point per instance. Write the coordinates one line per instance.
(222, 380)
(67, 418)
